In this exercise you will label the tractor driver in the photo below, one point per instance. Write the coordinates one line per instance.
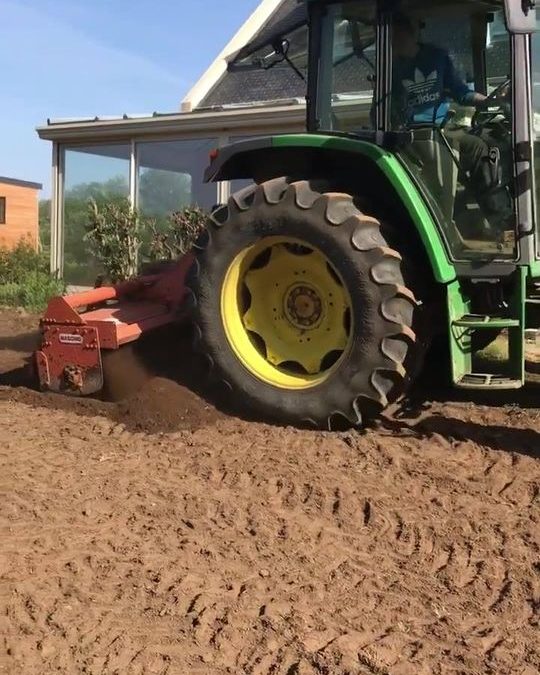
(423, 75)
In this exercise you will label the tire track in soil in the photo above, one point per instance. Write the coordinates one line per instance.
(263, 550)
(223, 546)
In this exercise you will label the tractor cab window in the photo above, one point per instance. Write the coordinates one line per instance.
(348, 74)
(451, 89)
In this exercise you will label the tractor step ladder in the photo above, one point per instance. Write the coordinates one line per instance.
(534, 297)
(480, 321)
(464, 324)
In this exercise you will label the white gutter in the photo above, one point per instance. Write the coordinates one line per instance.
(197, 124)
(252, 119)
(219, 67)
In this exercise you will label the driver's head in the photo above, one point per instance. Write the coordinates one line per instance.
(405, 32)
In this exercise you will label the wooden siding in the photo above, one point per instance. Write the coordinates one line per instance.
(22, 215)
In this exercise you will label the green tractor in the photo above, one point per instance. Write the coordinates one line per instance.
(405, 215)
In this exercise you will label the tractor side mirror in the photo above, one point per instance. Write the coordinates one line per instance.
(521, 16)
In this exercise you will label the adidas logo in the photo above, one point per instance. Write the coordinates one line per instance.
(421, 82)
(423, 89)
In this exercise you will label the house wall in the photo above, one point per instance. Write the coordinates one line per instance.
(21, 215)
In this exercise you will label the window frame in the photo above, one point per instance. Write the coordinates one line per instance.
(134, 141)
(319, 105)
(78, 147)
(480, 72)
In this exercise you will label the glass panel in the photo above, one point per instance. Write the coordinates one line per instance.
(347, 66)
(170, 177)
(98, 172)
(240, 184)
(536, 125)
(461, 154)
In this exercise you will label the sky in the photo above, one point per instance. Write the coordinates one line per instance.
(81, 58)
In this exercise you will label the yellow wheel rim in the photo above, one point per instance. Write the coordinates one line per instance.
(286, 313)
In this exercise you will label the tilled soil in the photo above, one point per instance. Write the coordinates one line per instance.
(137, 541)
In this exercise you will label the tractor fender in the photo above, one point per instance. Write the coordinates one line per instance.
(357, 166)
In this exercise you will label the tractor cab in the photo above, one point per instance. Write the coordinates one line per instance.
(449, 90)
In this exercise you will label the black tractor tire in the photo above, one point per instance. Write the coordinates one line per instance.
(376, 368)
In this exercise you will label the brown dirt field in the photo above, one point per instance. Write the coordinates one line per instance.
(139, 541)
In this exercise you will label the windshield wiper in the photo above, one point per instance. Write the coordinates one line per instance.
(281, 51)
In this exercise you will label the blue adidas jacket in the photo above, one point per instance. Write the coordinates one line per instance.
(420, 83)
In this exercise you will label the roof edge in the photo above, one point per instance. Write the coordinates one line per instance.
(20, 183)
(197, 122)
(219, 66)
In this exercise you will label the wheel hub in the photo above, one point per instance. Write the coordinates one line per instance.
(286, 313)
(303, 307)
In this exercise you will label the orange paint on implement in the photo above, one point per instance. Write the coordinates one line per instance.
(77, 327)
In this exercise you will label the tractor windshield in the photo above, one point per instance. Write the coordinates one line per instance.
(447, 67)
(348, 73)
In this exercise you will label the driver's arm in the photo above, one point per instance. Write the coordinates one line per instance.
(477, 98)
(457, 87)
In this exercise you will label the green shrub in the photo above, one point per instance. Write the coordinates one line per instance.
(16, 262)
(38, 288)
(179, 234)
(25, 280)
(114, 233)
(122, 239)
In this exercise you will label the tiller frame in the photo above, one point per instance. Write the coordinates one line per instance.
(77, 327)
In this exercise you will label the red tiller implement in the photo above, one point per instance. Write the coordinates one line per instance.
(76, 328)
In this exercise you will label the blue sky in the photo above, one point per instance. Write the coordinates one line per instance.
(77, 58)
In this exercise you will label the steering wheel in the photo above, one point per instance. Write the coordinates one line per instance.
(483, 116)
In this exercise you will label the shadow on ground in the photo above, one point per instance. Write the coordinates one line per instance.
(434, 385)
(496, 437)
(24, 343)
